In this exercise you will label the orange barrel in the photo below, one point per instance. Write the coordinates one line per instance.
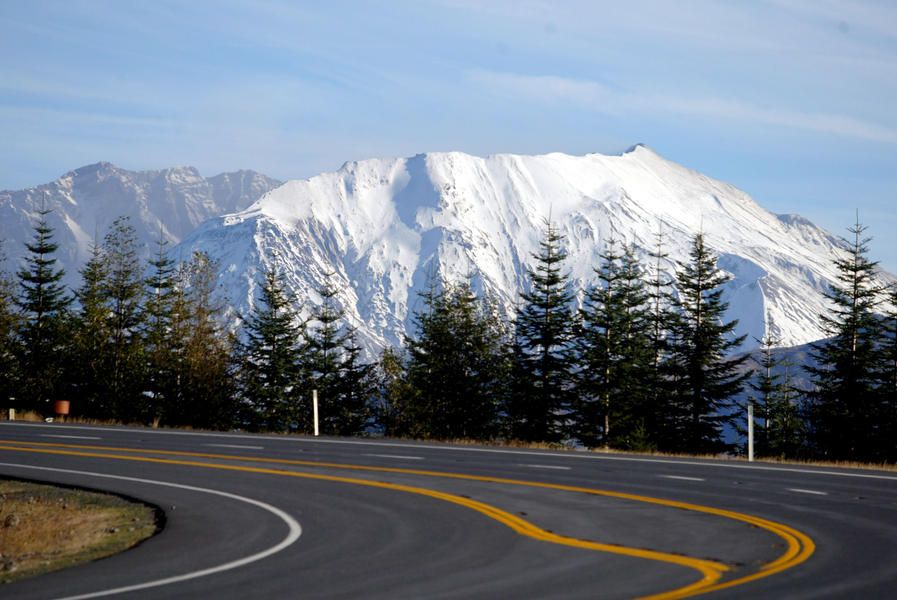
(61, 407)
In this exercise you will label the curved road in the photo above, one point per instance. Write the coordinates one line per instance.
(283, 517)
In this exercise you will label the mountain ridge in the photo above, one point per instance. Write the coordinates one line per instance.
(383, 227)
(85, 201)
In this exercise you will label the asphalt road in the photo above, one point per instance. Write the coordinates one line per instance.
(252, 516)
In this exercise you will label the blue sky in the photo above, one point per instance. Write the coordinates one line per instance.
(793, 101)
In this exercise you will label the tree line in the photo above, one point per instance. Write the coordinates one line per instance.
(645, 361)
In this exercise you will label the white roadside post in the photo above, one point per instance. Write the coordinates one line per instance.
(750, 431)
(314, 402)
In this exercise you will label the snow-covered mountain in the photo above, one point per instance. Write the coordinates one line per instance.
(85, 201)
(380, 229)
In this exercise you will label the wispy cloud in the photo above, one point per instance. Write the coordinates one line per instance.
(596, 97)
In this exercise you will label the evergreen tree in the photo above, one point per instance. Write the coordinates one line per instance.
(614, 354)
(269, 373)
(325, 354)
(888, 377)
(787, 431)
(659, 412)
(844, 417)
(91, 340)
(356, 390)
(393, 394)
(776, 421)
(707, 378)
(123, 288)
(161, 346)
(540, 408)
(456, 366)
(44, 305)
(204, 375)
(763, 396)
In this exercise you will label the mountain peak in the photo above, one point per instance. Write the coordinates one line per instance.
(94, 168)
(86, 200)
(636, 147)
(382, 228)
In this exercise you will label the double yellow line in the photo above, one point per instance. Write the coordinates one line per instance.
(799, 547)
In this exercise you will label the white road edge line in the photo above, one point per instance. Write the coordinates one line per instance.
(682, 477)
(557, 467)
(396, 456)
(584, 456)
(238, 446)
(71, 437)
(295, 530)
(803, 491)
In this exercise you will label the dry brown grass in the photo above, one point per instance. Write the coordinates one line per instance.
(44, 528)
(506, 443)
(561, 447)
(34, 417)
(30, 416)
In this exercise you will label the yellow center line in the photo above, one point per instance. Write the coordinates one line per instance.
(799, 546)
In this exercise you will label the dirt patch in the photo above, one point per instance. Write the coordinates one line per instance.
(44, 528)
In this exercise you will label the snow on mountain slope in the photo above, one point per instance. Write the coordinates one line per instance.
(380, 229)
(86, 201)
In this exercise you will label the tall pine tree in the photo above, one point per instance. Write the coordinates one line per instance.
(659, 413)
(540, 408)
(90, 358)
(340, 410)
(888, 376)
(776, 420)
(701, 344)
(44, 305)
(204, 375)
(123, 288)
(162, 346)
(270, 363)
(845, 422)
(392, 395)
(614, 354)
(457, 366)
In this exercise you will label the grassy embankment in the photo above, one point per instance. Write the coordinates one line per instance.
(44, 528)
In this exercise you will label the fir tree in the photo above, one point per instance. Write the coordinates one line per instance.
(204, 372)
(659, 413)
(325, 354)
(777, 423)
(393, 393)
(707, 379)
(44, 305)
(455, 366)
(888, 377)
(161, 345)
(614, 354)
(123, 288)
(786, 428)
(269, 373)
(540, 408)
(91, 340)
(763, 396)
(844, 416)
(356, 390)
(344, 382)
